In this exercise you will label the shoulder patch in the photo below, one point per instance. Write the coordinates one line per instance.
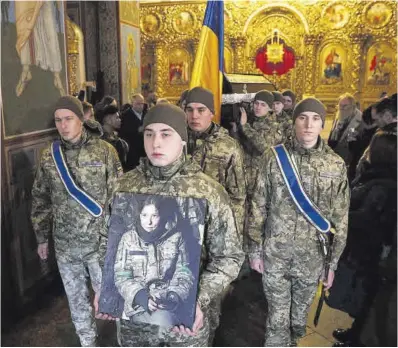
(329, 174)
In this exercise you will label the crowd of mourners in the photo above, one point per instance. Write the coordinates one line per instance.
(254, 171)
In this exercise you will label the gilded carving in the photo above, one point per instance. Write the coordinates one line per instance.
(308, 27)
(73, 56)
(357, 48)
(161, 76)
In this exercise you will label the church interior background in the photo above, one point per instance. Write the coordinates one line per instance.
(316, 48)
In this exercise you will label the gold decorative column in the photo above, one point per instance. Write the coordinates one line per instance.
(73, 57)
(311, 45)
(357, 42)
(238, 44)
(161, 68)
(298, 86)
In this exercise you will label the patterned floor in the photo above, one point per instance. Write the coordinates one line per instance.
(242, 322)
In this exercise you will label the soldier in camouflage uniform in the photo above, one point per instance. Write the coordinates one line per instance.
(283, 245)
(255, 136)
(111, 122)
(77, 235)
(167, 172)
(283, 121)
(289, 101)
(217, 153)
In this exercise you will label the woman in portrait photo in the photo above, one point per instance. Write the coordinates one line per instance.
(151, 270)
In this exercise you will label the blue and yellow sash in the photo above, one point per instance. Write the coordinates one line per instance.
(310, 211)
(84, 199)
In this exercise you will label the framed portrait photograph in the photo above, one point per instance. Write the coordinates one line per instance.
(152, 261)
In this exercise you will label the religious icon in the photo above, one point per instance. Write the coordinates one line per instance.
(131, 65)
(178, 73)
(130, 61)
(37, 31)
(184, 22)
(147, 70)
(178, 66)
(336, 16)
(378, 14)
(333, 65)
(150, 24)
(332, 60)
(379, 64)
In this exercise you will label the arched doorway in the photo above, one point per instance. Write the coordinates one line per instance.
(292, 28)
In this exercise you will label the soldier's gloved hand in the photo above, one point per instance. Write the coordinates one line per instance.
(197, 325)
(42, 250)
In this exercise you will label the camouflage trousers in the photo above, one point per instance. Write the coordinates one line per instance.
(133, 334)
(289, 298)
(74, 277)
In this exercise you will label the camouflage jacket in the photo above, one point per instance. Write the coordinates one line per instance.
(94, 165)
(273, 214)
(220, 157)
(255, 139)
(222, 257)
(282, 128)
(119, 144)
(135, 256)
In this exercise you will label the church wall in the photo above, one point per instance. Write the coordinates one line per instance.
(356, 30)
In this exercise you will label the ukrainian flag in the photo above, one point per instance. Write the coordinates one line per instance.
(209, 61)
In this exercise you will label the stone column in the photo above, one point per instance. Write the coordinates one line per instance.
(238, 44)
(108, 28)
(311, 45)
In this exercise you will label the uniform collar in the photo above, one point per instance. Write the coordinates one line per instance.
(168, 171)
(298, 148)
(68, 145)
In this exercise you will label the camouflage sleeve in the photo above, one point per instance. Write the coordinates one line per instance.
(257, 213)
(114, 169)
(339, 218)
(126, 283)
(113, 172)
(41, 214)
(236, 187)
(257, 139)
(223, 252)
(182, 281)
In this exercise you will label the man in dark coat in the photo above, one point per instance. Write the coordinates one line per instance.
(132, 119)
